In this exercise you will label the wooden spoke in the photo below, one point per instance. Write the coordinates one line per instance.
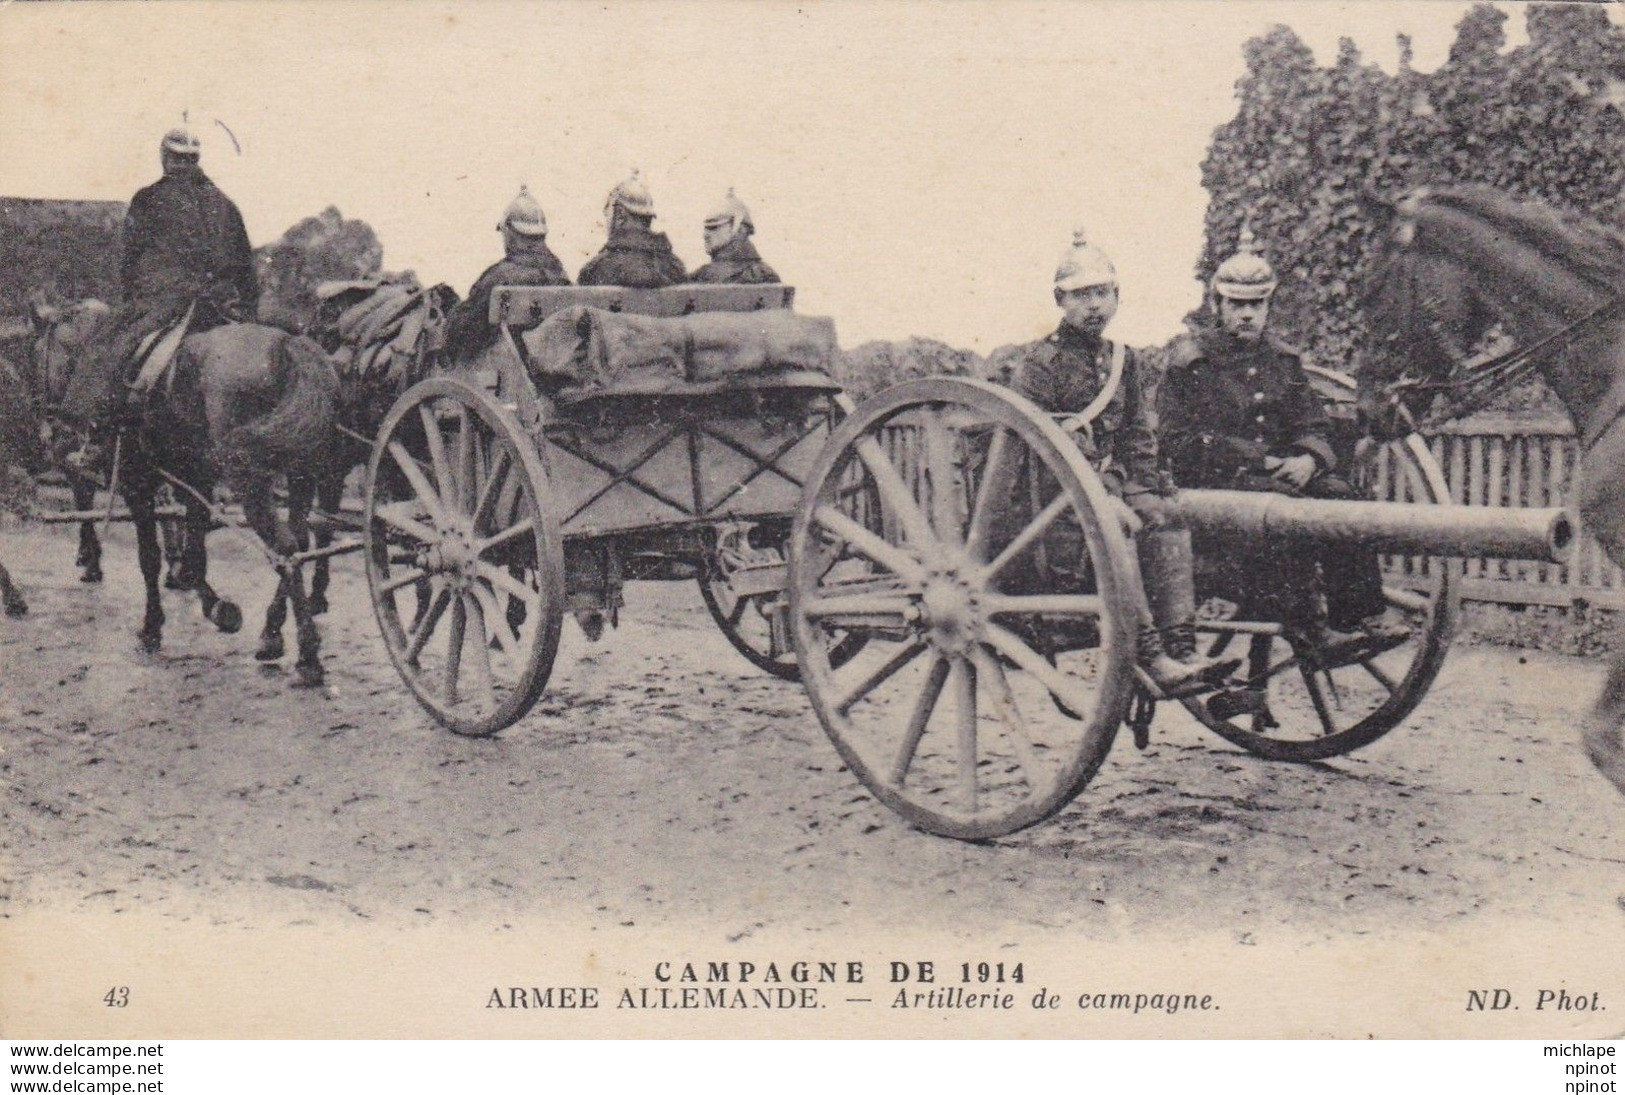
(521, 529)
(454, 648)
(479, 642)
(405, 578)
(966, 694)
(496, 621)
(1378, 674)
(1024, 539)
(494, 478)
(420, 482)
(1028, 660)
(468, 467)
(894, 492)
(513, 587)
(867, 543)
(1327, 724)
(388, 514)
(990, 672)
(856, 604)
(424, 628)
(880, 676)
(917, 721)
(444, 482)
(993, 492)
(1044, 604)
(939, 465)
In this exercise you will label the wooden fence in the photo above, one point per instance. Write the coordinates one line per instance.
(1492, 461)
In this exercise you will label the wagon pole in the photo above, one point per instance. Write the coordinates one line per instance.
(219, 515)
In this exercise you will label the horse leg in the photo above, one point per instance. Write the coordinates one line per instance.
(1602, 511)
(10, 596)
(175, 537)
(89, 559)
(151, 635)
(280, 538)
(193, 570)
(272, 648)
(331, 495)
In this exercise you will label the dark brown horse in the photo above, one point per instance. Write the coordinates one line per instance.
(1457, 261)
(243, 403)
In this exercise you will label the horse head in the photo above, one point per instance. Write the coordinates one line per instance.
(1425, 313)
(1454, 263)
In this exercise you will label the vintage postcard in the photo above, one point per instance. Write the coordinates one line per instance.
(810, 520)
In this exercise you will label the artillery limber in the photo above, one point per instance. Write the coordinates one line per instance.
(504, 495)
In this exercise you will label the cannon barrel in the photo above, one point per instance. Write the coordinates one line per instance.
(1399, 528)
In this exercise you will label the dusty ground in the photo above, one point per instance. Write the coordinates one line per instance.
(663, 780)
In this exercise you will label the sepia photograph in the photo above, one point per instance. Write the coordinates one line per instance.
(812, 520)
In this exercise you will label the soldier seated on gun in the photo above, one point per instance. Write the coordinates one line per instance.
(635, 255)
(734, 259)
(526, 260)
(1238, 413)
(1068, 372)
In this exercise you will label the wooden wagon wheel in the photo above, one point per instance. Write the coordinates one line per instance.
(946, 594)
(464, 559)
(1310, 714)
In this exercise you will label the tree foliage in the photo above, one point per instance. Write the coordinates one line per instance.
(1545, 120)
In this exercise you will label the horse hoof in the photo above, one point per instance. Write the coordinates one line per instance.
(308, 676)
(227, 617)
(16, 608)
(92, 575)
(271, 647)
(150, 641)
(318, 605)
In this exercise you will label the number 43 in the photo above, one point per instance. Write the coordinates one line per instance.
(117, 997)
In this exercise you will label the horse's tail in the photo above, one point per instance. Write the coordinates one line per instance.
(298, 431)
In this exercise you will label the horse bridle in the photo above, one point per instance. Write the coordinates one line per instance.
(1474, 381)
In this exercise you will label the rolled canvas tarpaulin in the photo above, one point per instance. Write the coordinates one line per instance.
(587, 351)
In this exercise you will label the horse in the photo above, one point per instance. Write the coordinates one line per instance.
(60, 336)
(383, 337)
(241, 402)
(1452, 265)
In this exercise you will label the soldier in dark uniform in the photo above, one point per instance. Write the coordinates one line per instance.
(734, 259)
(635, 255)
(184, 250)
(527, 260)
(1065, 373)
(1238, 412)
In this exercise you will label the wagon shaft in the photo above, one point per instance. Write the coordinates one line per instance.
(1400, 528)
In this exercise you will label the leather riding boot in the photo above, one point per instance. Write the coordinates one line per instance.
(1167, 564)
(1172, 677)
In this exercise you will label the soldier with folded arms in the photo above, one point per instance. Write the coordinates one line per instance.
(734, 259)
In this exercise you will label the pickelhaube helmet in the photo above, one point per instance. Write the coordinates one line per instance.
(181, 140)
(1083, 265)
(1245, 275)
(730, 211)
(632, 195)
(525, 215)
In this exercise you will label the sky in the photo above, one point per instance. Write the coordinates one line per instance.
(912, 169)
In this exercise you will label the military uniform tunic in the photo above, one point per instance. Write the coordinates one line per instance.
(634, 257)
(1064, 372)
(531, 262)
(736, 263)
(1226, 404)
(184, 238)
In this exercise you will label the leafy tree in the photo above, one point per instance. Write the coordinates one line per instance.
(1545, 120)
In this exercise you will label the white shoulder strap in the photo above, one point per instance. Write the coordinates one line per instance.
(1114, 379)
